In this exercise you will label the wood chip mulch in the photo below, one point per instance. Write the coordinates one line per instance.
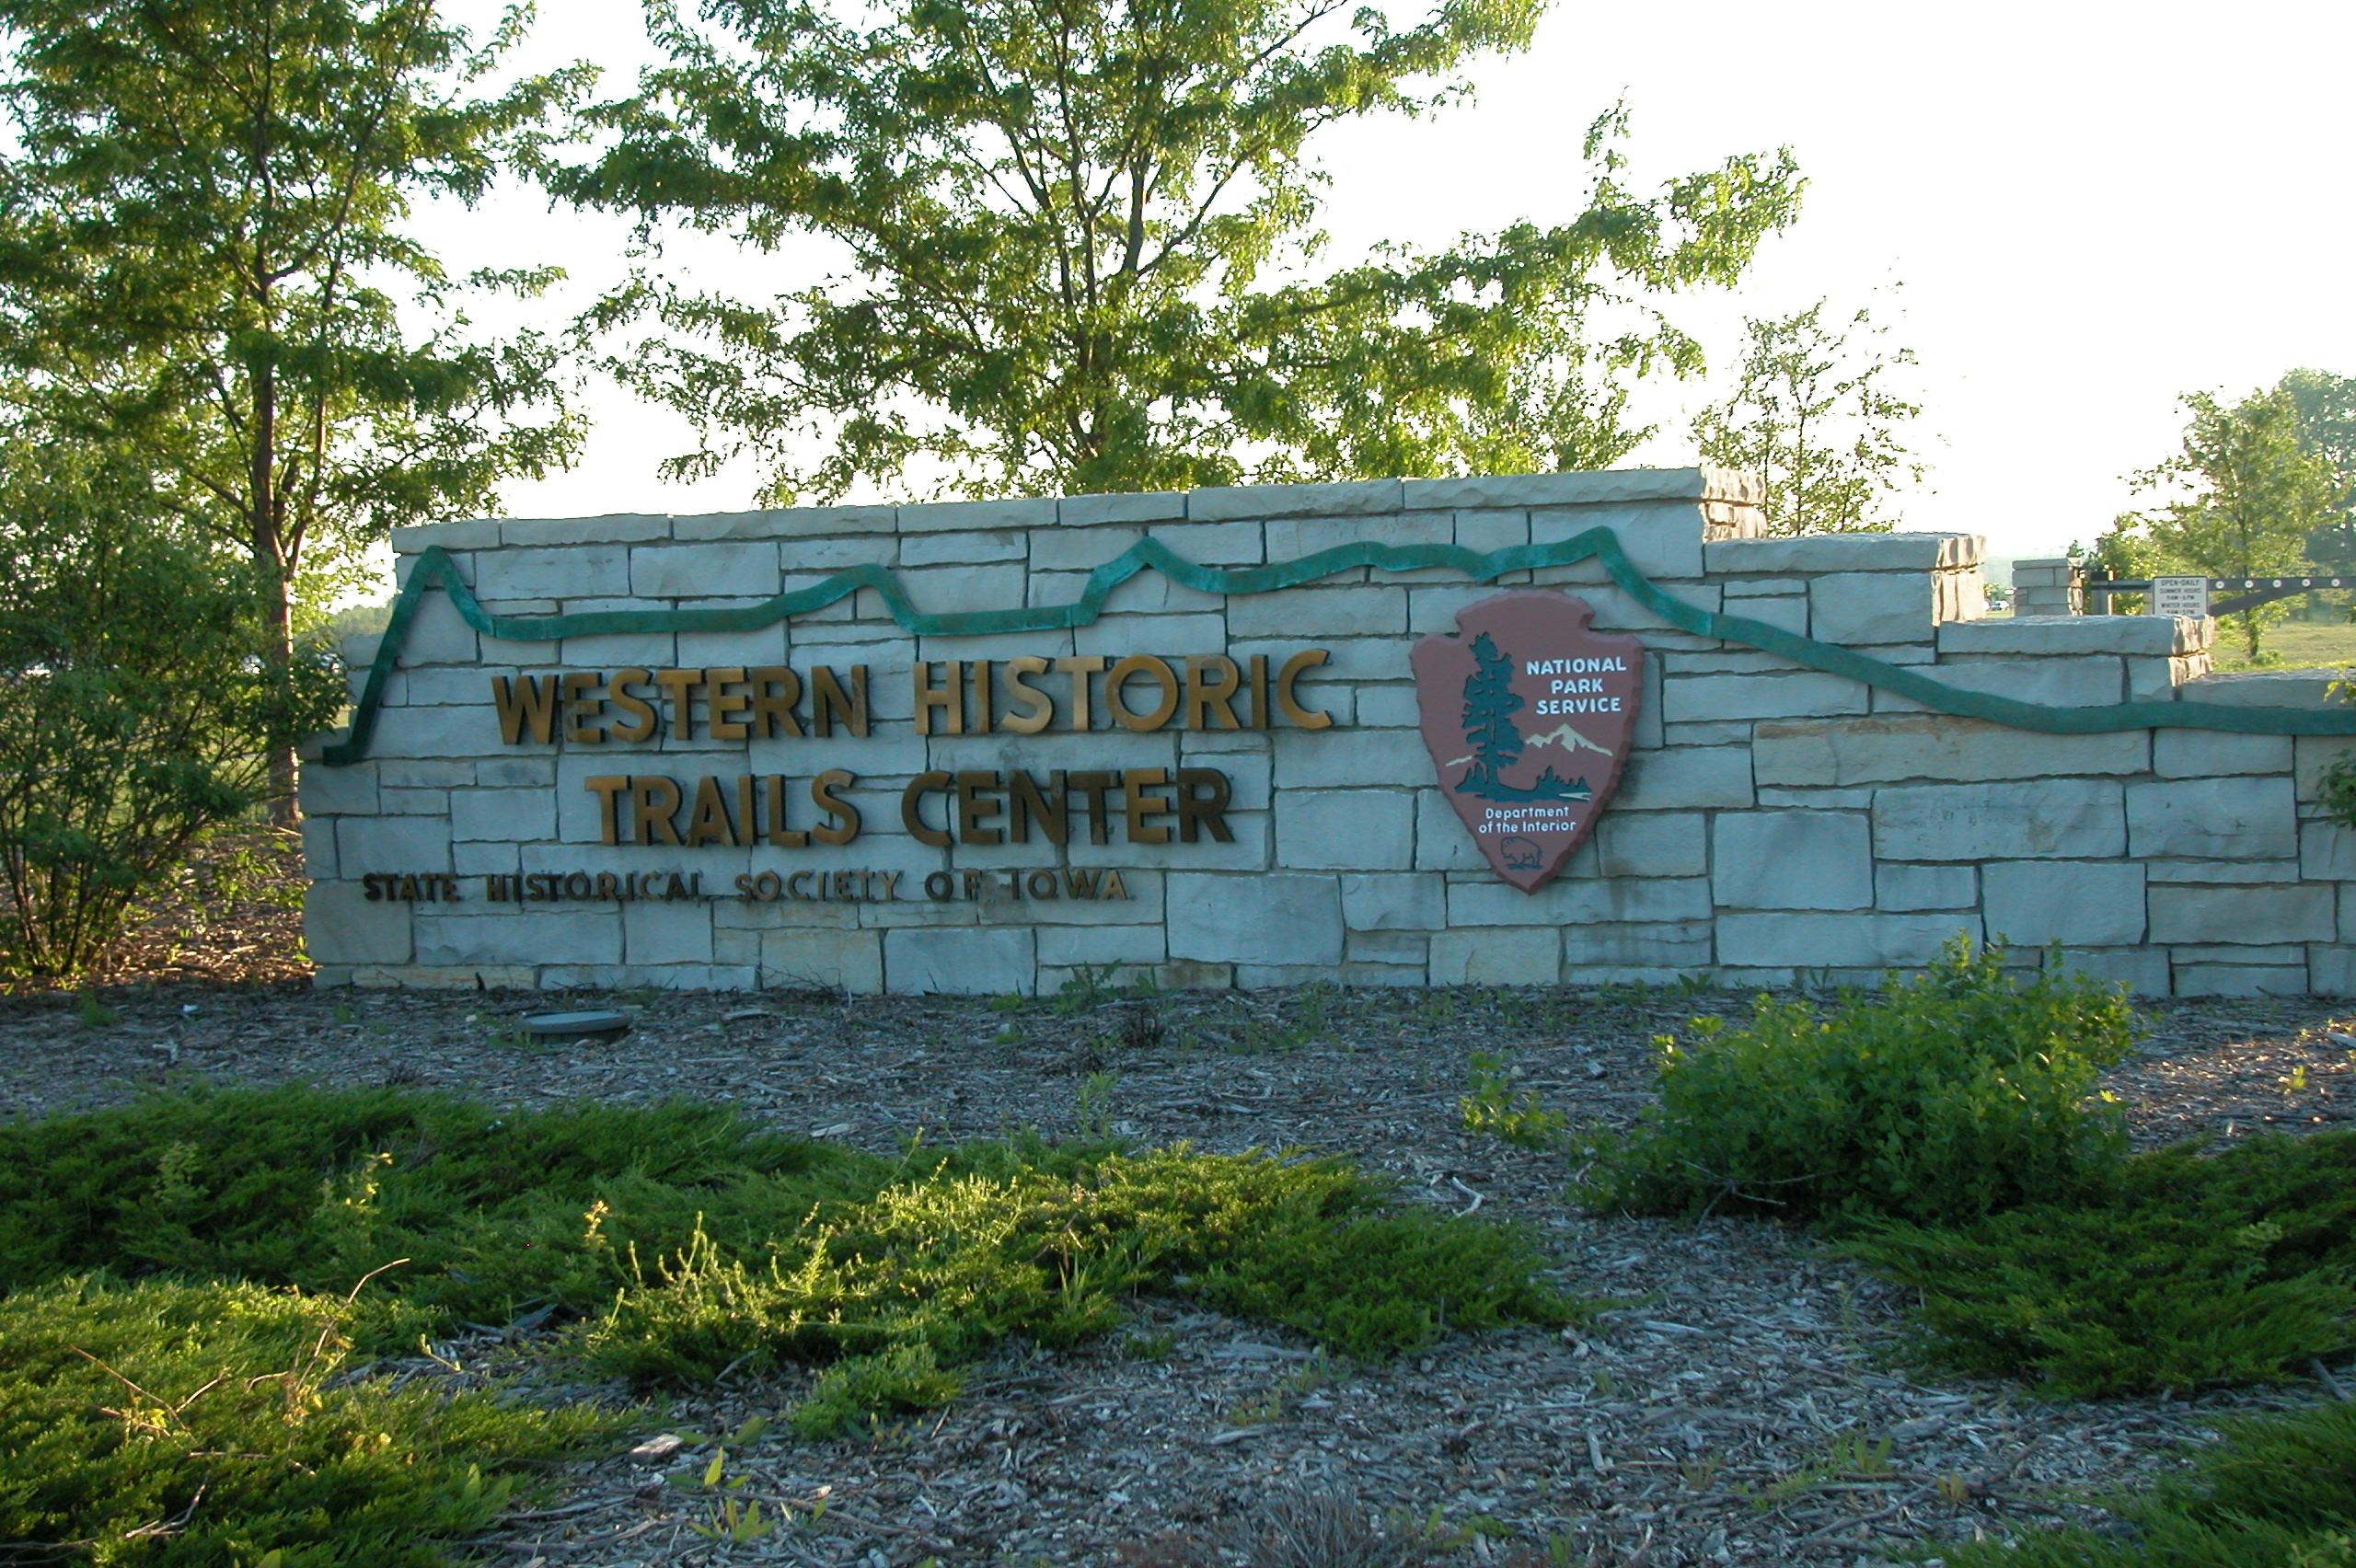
(1743, 1407)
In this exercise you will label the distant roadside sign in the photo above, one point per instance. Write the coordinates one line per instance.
(2180, 596)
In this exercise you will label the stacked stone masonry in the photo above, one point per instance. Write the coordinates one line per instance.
(1774, 823)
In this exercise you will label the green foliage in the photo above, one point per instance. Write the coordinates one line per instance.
(700, 1244)
(190, 1426)
(2245, 494)
(2184, 1270)
(1490, 1106)
(132, 714)
(1080, 248)
(2327, 411)
(202, 267)
(2275, 1492)
(1813, 414)
(1945, 1097)
(498, 1214)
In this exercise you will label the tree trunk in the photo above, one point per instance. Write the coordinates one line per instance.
(285, 807)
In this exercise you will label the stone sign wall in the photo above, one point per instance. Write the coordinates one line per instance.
(984, 746)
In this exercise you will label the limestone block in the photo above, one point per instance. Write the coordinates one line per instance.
(2266, 912)
(486, 858)
(1784, 614)
(1903, 888)
(1808, 941)
(1356, 830)
(424, 773)
(2315, 757)
(1166, 637)
(1248, 772)
(1826, 553)
(953, 516)
(1390, 946)
(1349, 498)
(1856, 607)
(515, 816)
(1148, 592)
(733, 650)
(402, 844)
(1896, 748)
(1292, 537)
(2240, 980)
(1442, 842)
(476, 534)
(649, 976)
(1683, 946)
(2161, 635)
(2153, 679)
(1579, 900)
(1652, 844)
(2331, 971)
(2141, 971)
(2194, 754)
(2267, 688)
(962, 590)
(1801, 694)
(534, 937)
(787, 522)
(1239, 543)
(1276, 919)
(438, 635)
(1349, 660)
(1304, 615)
(2030, 819)
(1506, 956)
(702, 571)
(1402, 977)
(657, 932)
(2327, 852)
(341, 926)
(414, 802)
(1661, 541)
(1389, 707)
(1381, 902)
(1808, 859)
(1337, 758)
(1489, 531)
(941, 549)
(327, 791)
(816, 958)
(1095, 510)
(966, 961)
(2055, 681)
(2236, 872)
(1687, 779)
(2035, 903)
(1092, 947)
(620, 528)
(2241, 819)
(574, 572)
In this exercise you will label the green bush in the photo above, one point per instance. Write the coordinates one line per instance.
(1942, 1098)
(192, 1426)
(2185, 1270)
(2276, 1491)
(134, 715)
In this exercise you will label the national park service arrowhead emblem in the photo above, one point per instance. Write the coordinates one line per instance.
(1527, 714)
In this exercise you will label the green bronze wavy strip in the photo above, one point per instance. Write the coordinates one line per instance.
(435, 570)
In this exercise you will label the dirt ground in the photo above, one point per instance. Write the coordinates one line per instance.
(1742, 1408)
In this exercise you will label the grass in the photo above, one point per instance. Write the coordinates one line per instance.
(2291, 645)
(177, 1293)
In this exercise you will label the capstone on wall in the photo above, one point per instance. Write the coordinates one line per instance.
(1774, 822)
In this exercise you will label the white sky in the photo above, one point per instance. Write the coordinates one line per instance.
(2092, 208)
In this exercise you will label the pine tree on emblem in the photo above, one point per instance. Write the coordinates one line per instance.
(1490, 703)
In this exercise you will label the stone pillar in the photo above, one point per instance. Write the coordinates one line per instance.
(2053, 586)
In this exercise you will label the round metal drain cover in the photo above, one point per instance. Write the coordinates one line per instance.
(575, 1025)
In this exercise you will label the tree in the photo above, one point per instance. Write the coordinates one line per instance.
(1812, 414)
(2247, 496)
(129, 695)
(2327, 411)
(1490, 703)
(202, 258)
(1074, 249)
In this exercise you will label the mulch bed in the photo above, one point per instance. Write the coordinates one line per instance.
(1732, 1411)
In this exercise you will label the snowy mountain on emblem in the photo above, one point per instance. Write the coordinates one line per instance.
(1570, 740)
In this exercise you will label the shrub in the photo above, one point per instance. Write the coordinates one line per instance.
(1945, 1097)
(134, 715)
(2187, 1270)
(2275, 1492)
(181, 1425)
